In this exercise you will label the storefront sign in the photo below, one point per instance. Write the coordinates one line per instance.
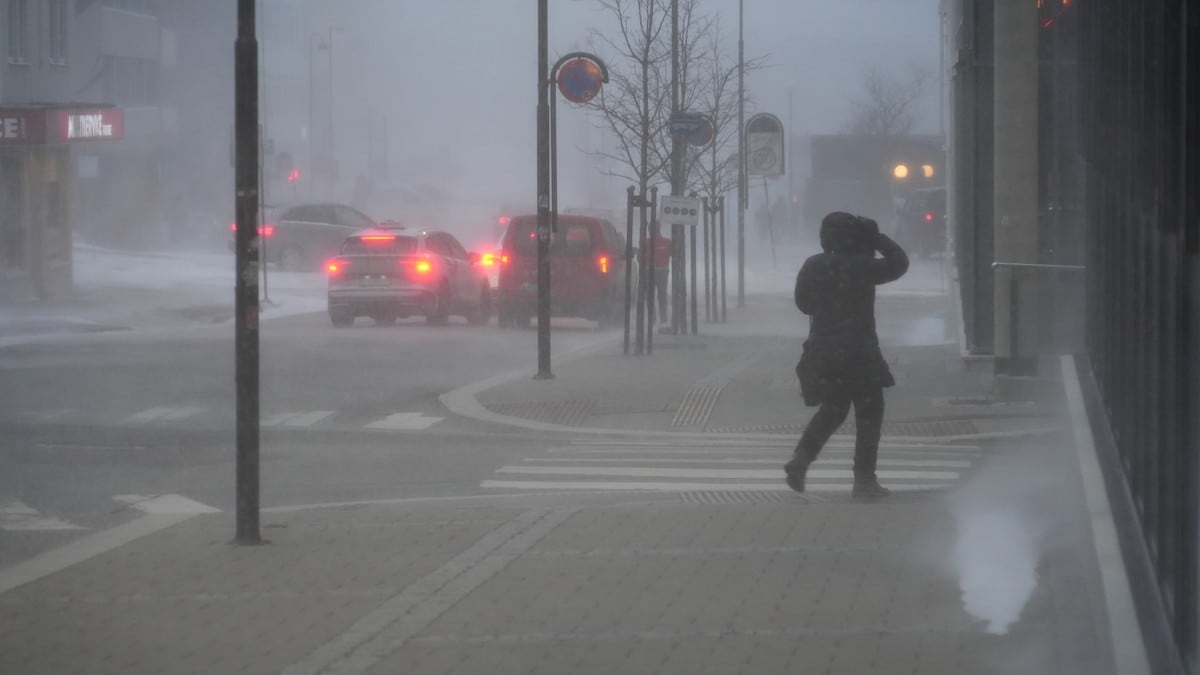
(39, 126)
(22, 127)
(89, 125)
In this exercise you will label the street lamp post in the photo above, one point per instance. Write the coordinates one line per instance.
(246, 343)
(543, 194)
(743, 198)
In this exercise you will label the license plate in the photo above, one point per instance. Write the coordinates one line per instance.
(374, 281)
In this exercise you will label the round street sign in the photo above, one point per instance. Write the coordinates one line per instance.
(579, 80)
(703, 133)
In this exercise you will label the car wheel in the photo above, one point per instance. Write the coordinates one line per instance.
(291, 259)
(483, 312)
(341, 317)
(440, 314)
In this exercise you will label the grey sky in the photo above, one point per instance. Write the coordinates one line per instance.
(456, 78)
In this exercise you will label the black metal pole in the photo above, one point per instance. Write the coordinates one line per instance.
(743, 198)
(262, 214)
(707, 262)
(678, 278)
(692, 253)
(246, 265)
(543, 196)
(629, 196)
(553, 154)
(643, 284)
(724, 307)
(654, 230)
(653, 311)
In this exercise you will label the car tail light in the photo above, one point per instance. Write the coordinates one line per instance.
(602, 263)
(263, 230)
(423, 267)
(503, 258)
(929, 217)
(335, 268)
(487, 259)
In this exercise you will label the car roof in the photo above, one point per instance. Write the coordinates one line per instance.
(570, 218)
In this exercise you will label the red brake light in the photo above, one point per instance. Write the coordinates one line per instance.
(423, 266)
(929, 217)
(503, 258)
(263, 231)
(336, 267)
(504, 220)
(378, 238)
(487, 259)
(602, 261)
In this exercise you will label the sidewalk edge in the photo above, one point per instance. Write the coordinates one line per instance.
(1125, 633)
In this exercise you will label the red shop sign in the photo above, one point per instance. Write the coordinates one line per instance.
(100, 124)
(39, 126)
(22, 127)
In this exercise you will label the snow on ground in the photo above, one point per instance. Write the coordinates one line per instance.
(131, 291)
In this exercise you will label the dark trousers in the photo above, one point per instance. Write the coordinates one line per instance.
(868, 420)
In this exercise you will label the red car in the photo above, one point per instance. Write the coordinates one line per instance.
(587, 270)
(388, 274)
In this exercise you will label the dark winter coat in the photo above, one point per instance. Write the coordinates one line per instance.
(837, 289)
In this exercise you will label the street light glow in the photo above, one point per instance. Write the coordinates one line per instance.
(901, 171)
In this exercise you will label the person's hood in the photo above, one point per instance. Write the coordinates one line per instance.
(843, 232)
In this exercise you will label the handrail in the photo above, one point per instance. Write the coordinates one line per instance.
(1042, 266)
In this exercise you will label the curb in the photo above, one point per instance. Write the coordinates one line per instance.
(463, 402)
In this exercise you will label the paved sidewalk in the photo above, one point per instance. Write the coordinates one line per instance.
(991, 570)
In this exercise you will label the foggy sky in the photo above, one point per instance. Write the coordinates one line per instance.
(456, 79)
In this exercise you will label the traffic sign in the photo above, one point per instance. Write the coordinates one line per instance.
(579, 80)
(764, 145)
(704, 134)
(679, 210)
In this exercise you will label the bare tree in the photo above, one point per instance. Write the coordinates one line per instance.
(886, 108)
(631, 105)
(713, 169)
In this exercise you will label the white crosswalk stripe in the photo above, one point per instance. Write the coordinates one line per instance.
(162, 414)
(295, 419)
(684, 465)
(406, 421)
(17, 516)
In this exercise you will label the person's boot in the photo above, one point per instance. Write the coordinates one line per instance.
(796, 470)
(868, 488)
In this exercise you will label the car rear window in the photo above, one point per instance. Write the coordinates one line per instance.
(573, 239)
(379, 244)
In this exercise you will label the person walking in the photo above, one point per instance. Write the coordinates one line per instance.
(841, 364)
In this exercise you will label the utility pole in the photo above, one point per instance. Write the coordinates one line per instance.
(677, 184)
(246, 361)
(543, 194)
(743, 198)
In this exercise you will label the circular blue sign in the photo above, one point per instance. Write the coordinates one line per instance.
(702, 134)
(579, 80)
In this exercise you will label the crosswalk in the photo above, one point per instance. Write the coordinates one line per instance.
(163, 416)
(17, 516)
(725, 465)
